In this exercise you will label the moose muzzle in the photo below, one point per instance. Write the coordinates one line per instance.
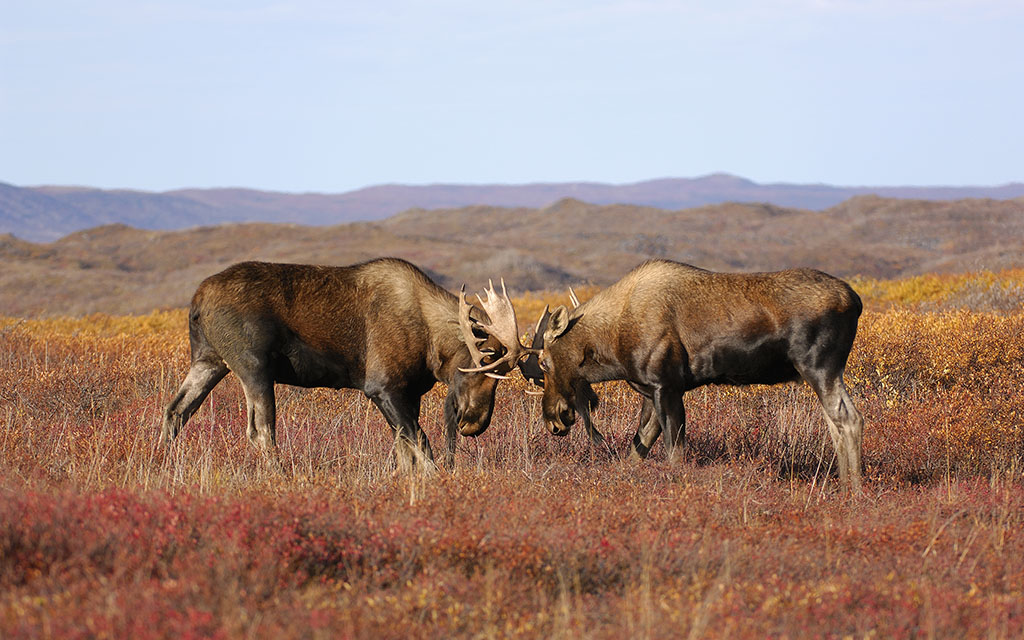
(565, 418)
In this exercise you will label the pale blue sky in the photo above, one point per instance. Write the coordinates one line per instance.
(331, 96)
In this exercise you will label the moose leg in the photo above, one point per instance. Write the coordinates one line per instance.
(841, 408)
(412, 448)
(668, 408)
(646, 432)
(202, 377)
(586, 401)
(451, 429)
(845, 425)
(262, 413)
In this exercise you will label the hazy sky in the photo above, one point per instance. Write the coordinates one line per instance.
(331, 96)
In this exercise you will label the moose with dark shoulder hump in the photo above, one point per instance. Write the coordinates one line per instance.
(668, 327)
(382, 326)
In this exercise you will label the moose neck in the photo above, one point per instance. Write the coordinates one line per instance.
(448, 351)
(593, 341)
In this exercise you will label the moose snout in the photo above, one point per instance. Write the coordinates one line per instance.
(473, 420)
(565, 416)
(558, 429)
(471, 428)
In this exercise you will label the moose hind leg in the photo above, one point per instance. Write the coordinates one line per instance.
(202, 377)
(846, 426)
(853, 433)
(261, 412)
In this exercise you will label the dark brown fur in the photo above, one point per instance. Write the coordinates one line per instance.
(382, 327)
(668, 327)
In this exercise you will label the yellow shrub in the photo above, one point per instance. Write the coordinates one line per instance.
(1002, 288)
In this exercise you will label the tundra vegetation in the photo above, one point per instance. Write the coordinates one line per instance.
(103, 533)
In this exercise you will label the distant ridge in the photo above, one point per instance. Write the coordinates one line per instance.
(120, 269)
(47, 213)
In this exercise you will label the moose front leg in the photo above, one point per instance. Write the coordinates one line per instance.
(586, 401)
(451, 429)
(402, 412)
(668, 407)
(646, 432)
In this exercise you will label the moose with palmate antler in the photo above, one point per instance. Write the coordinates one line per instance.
(668, 327)
(382, 326)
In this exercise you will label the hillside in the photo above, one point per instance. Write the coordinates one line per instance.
(120, 269)
(44, 214)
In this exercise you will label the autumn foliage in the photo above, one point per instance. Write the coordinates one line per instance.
(104, 534)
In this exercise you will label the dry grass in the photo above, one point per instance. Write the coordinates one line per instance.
(102, 534)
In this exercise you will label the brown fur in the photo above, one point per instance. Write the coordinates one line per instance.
(668, 327)
(382, 327)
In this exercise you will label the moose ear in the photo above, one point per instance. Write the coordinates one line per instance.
(558, 323)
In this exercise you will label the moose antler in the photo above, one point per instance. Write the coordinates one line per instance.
(466, 324)
(502, 326)
(530, 366)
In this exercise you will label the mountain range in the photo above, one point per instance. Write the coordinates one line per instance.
(46, 213)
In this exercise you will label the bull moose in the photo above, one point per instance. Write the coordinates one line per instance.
(382, 326)
(668, 327)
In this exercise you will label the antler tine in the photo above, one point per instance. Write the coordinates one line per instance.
(466, 326)
(575, 300)
(502, 315)
(502, 326)
(537, 339)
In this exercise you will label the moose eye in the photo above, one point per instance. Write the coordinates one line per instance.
(544, 366)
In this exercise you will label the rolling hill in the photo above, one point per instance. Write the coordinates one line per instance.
(122, 269)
